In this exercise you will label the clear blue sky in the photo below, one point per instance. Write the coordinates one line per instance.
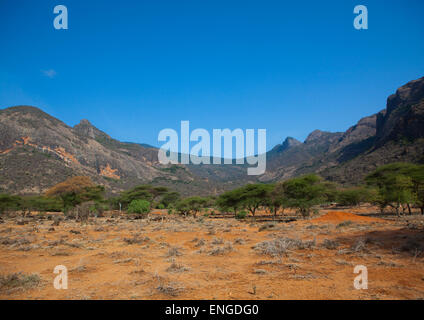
(135, 67)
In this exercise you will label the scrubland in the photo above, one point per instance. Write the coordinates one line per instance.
(172, 257)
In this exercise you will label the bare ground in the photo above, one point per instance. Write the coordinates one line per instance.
(203, 258)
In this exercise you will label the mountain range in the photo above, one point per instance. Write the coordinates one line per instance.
(38, 151)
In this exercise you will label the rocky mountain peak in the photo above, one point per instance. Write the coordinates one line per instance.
(86, 129)
(409, 94)
(315, 135)
(290, 142)
(404, 114)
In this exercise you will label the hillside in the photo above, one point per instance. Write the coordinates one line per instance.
(38, 151)
(394, 134)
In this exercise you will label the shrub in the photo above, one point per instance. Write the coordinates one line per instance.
(344, 224)
(281, 246)
(19, 280)
(139, 206)
(330, 244)
(241, 215)
(161, 206)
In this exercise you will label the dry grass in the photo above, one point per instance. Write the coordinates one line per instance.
(281, 246)
(211, 258)
(16, 281)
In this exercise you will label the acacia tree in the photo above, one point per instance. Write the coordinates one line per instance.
(182, 207)
(141, 192)
(416, 172)
(8, 202)
(304, 192)
(145, 192)
(76, 190)
(170, 198)
(191, 205)
(230, 200)
(276, 198)
(253, 196)
(352, 196)
(395, 185)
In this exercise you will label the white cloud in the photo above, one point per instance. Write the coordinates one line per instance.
(49, 73)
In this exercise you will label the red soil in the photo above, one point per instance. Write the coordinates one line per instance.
(339, 216)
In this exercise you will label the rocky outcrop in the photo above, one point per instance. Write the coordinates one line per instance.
(404, 115)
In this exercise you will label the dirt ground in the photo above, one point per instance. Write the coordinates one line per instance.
(171, 257)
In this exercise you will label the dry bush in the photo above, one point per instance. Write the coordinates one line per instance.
(266, 226)
(123, 260)
(414, 246)
(136, 240)
(19, 281)
(388, 264)
(330, 244)
(216, 251)
(8, 241)
(175, 267)
(344, 224)
(342, 262)
(200, 243)
(81, 267)
(311, 227)
(239, 241)
(281, 246)
(170, 288)
(308, 276)
(217, 241)
(359, 246)
(174, 252)
(267, 262)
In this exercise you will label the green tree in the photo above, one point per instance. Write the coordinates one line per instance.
(40, 203)
(139, 206)
(230, 200)
(304, 192)
(191, 205)
(9, 202)
(142, 192)
(276, 198)
(253, 196)
(416, 172)
(169, 198)
(182, 207)
(353, 196)
(395, 185)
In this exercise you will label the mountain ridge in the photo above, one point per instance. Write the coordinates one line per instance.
(38, 150)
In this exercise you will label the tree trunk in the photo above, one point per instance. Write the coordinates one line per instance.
(409, 209)
(397, 211)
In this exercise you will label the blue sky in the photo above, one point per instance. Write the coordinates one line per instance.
(134, 68)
